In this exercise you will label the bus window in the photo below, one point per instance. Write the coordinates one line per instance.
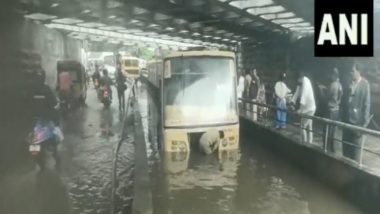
(200, 81)
(203, 86)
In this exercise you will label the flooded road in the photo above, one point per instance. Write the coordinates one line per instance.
(251, 180)
(92, 135)
(246, 182)
(84, 183)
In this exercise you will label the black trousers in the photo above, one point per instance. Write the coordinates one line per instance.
(332, 115)
(352, 143)
(121, 96)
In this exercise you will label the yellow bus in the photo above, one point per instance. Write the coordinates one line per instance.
(130, 67)
(198, 93)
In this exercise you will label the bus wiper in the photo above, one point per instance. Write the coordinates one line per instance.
(183, 75)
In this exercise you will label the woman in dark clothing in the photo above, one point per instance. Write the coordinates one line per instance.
(121, 87)
(251, 87)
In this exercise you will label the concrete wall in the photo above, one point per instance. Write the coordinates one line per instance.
(269, 60)
(298, 54)
(50, 44)
(360, 187)
(18, 34)
(21, 34)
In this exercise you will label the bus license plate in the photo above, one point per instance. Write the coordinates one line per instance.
(34, 148)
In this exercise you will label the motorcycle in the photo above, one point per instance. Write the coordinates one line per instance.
(105, 97)
(44, 138)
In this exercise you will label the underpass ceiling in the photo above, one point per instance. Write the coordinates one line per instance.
(215, 23)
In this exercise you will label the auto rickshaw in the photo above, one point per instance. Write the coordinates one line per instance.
(76, 92)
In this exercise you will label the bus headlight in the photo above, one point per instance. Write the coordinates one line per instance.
(179, 145)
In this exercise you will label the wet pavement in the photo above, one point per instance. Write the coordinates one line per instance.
(251, 180)
(84, 183)
(89, 152)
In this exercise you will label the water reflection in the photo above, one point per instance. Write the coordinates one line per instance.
(201, 171)
(106, 122)
(209, 182)
(240, 182)
(281, 198)
(41, 193)
(267, 184)
(245, 181)
(251, 180)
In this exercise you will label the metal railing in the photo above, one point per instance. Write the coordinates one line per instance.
(117, 149)
(264, 114)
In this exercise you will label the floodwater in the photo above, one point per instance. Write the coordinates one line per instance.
(251, 180)
(84, 183)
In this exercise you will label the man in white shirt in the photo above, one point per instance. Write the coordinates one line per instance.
(247, 83)
(241, 83)
(305, 94)
(240, 88)
(209, 141)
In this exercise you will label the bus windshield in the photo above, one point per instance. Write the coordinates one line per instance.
(131, 63)
(200, 85)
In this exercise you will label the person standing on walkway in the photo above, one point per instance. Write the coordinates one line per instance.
(305, 94)
(280, 92)
(356, 111)
(247, 82)
(240, 88)
(255, 85)
(333, 97)
(251, 92)
(261, 98)
(254, 92)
